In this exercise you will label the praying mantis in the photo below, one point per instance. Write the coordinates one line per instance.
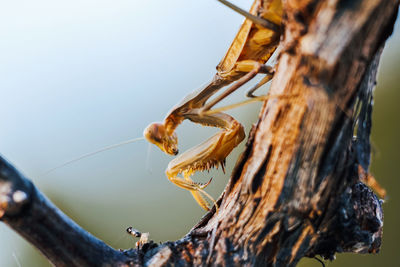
(255, 42)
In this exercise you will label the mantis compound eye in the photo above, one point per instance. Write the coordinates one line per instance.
(155, 134)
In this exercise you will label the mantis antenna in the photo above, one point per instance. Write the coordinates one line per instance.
(148, 168)
(94, 152)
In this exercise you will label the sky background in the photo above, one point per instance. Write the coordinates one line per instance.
(76, 76)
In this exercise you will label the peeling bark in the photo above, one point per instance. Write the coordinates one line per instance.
(297, 189)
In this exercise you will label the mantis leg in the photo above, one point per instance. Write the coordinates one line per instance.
(210, 153)
(263, 81)
(195, 188)
(198, 194)
(243, 66)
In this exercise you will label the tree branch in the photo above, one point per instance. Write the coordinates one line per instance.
(296, 190)
(26, 210)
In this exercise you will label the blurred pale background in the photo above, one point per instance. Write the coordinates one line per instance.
(79, 75)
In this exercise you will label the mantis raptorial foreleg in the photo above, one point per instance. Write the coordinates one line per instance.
(208, 154)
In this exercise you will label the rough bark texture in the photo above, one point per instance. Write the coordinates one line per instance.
(296, 189)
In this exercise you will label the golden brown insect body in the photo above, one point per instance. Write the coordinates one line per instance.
(249, 51)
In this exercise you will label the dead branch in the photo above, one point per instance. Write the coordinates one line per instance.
(296, 189)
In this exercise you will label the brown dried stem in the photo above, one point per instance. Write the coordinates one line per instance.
(296, 189)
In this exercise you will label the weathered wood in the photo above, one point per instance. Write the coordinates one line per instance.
(296, 189)
(28, 212)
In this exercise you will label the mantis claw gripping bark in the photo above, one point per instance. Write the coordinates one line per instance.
(253, 45)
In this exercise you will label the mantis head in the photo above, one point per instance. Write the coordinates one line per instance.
(156, 134)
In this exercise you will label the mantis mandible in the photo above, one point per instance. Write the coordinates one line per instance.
(257, 39)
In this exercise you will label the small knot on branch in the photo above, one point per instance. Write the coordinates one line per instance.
(15, 190)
